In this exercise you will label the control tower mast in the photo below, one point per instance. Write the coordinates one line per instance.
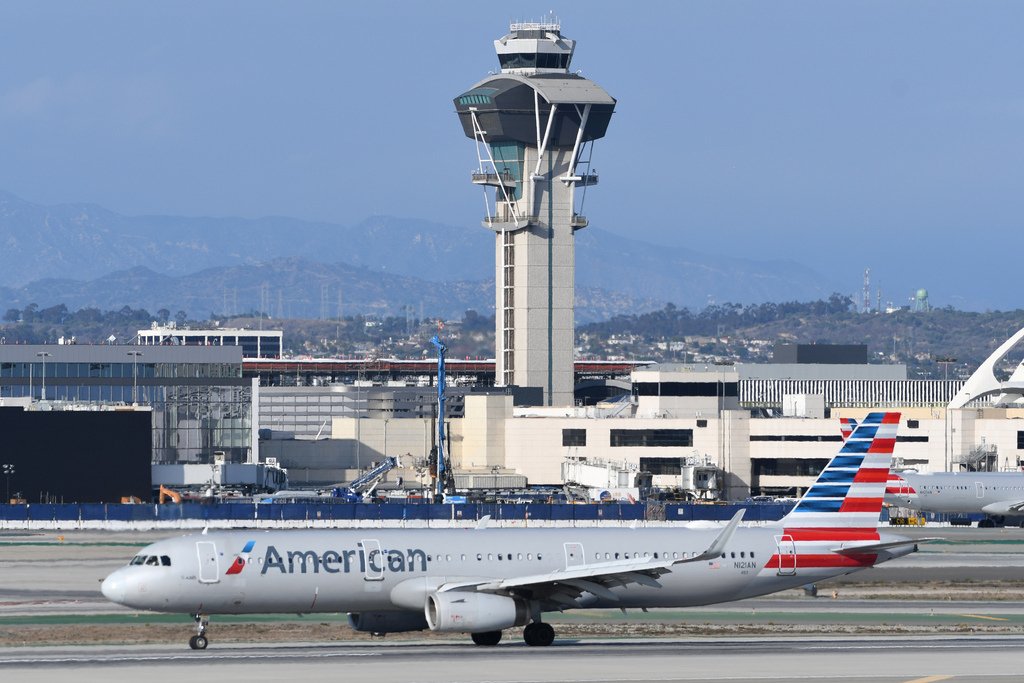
(534, 124)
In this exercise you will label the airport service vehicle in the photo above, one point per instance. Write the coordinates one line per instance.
(482, 581)
(1000, 495)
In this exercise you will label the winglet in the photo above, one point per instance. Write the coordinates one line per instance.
(718, 545)
(483, 522)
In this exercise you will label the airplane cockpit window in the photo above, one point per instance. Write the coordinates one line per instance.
(138, 559)
(165, 560)
(153, 561)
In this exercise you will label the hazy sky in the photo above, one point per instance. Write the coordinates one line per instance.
(844, 135)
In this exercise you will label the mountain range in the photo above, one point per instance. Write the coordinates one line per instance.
(85, 255)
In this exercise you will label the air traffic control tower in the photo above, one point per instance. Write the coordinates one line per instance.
(534, 124)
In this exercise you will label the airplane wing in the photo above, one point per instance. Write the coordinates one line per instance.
(563, 586)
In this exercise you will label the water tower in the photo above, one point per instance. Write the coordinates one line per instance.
(534, 123)
(919, 302)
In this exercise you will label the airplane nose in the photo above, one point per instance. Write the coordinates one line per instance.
(113, 588)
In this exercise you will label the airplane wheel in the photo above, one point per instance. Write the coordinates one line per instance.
(486, 638)
(198, 642)
(539, 634)
(545, 635)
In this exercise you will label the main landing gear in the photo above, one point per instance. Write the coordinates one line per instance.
(486, 638)
(538, 634)
(199, 640)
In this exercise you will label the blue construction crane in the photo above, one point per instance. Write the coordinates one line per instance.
(443, 475)
(362, 487)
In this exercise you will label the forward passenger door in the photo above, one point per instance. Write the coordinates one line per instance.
(209, 567)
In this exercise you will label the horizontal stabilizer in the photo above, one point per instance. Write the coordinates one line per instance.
(878, 547)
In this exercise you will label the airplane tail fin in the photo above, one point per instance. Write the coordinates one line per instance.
(849, 491)
(846, 427)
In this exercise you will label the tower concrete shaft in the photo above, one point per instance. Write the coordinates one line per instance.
(534, 125)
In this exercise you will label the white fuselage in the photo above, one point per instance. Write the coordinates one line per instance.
(995, 493)
(358, 570)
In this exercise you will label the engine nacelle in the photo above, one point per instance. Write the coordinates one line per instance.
(387, 622)
(464, 612)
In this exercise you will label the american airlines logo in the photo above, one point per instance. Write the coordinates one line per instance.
(362, 560)
(239, 564)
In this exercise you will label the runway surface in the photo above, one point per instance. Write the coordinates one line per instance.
(853, 660)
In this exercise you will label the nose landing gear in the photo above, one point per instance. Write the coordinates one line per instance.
(199, 640)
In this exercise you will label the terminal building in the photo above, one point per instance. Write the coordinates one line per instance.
(747, 429)
(768, 429)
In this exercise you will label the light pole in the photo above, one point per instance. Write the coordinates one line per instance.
(44, 355)
(8, 470)
(944, 361)
(135, 374)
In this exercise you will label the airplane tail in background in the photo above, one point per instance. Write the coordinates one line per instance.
(849, 491)
(898, 486)
(846, 426)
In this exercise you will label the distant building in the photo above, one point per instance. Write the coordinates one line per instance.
(254, 343)
(830, 354)
(196, 397)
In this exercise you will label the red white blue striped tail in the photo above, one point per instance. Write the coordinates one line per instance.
(849, 491)
(846, 427)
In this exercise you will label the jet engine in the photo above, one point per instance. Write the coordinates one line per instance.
(474, 612)
(387, 622)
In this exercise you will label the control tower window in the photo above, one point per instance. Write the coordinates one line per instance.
(508, 160)
(534, 60)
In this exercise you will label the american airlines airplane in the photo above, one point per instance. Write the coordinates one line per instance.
(482, 581)
(1000, 495)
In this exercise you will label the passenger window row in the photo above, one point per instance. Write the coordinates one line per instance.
(666, 555)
